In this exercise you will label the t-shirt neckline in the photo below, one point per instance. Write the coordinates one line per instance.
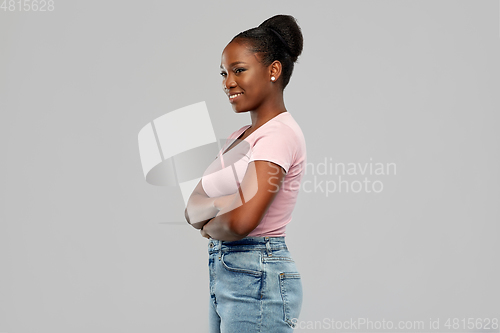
(247, 127)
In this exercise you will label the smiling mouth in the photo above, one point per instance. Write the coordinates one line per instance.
(234, 96)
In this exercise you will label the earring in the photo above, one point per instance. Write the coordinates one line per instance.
(273, 78)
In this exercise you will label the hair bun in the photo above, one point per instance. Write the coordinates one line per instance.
(288, 30)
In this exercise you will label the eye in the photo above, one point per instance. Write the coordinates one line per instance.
(236, 71)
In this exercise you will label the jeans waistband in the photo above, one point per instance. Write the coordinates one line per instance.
(247, 244)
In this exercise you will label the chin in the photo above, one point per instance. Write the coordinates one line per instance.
(238, 110)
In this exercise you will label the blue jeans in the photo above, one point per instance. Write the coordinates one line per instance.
(254, 286)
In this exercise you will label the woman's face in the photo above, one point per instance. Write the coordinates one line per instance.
(244, 78)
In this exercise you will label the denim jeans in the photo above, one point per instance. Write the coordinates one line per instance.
(254, 286)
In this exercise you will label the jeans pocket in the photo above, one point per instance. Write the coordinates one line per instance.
(247, 262)
(241, 277)
(291, 294)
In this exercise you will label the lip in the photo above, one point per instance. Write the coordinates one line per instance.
(232, 100)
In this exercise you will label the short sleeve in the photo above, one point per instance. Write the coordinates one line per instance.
(275, 143)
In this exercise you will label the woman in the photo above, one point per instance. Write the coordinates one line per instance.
(245, 198)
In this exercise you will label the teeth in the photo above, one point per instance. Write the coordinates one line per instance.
(233, 96)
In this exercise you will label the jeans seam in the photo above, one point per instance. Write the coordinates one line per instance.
(284, 276)
(262, 288)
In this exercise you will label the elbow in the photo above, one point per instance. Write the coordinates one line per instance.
(238, 228)
(194, 224)
(186, 215)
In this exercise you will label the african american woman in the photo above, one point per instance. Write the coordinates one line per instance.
(246, 196)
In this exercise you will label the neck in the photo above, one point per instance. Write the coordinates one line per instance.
(266, 112)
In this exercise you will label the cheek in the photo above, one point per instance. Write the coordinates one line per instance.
(254, 84)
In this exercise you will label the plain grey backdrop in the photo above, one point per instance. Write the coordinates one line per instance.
(87, 245)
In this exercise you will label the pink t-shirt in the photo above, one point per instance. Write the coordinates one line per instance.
(279, 140)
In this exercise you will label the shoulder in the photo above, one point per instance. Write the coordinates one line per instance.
(276, 128)
(279, 132)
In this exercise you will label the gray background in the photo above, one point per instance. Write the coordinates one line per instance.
(86, 245)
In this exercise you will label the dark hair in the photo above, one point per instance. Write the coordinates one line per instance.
(277, 38)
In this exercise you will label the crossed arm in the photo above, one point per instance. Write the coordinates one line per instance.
(234, 216)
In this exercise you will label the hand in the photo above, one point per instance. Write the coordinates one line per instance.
(204, 234)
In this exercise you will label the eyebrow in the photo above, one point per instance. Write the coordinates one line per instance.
(234, 63)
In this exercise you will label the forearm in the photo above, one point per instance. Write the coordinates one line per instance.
(220, 227)
(200, 209)
(199, 225)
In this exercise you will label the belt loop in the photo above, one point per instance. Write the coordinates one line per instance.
(268, 247)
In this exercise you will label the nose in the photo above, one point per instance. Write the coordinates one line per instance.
(228, 83)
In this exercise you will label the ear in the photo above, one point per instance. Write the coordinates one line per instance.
(275, 69)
